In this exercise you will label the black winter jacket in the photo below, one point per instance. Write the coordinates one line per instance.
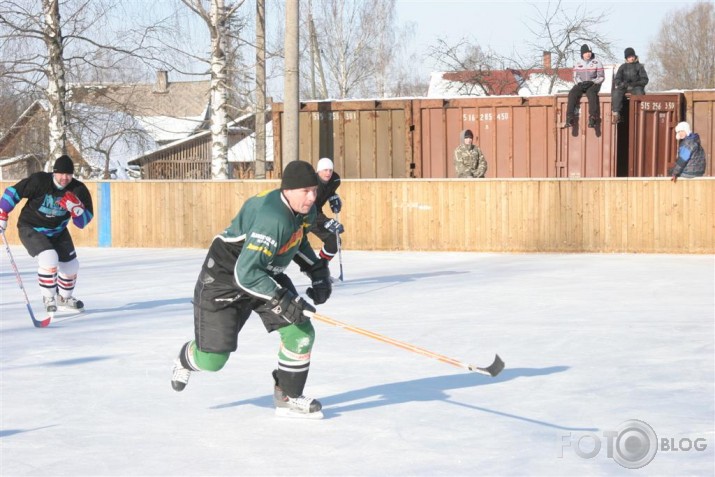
(630, 75)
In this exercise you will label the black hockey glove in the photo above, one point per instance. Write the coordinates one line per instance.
(290, 307)
(335, 203)
(333, 226)
(322, 287)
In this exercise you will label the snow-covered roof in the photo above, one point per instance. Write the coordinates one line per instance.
(98, 133)
(165, 128)
(245, 149)
(524, 83)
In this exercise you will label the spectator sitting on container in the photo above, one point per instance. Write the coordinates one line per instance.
(691, 155)
(630, 78)
(468, 158)
(588, 76)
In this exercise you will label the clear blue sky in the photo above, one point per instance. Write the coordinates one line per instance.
(501, 25)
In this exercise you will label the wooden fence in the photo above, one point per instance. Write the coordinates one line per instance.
(636, 215)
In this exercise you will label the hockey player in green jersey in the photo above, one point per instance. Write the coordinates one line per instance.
(244, 272)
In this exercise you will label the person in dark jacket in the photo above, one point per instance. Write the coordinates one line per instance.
(631, 77)
(53, 200)
(325, 228)
(691, 155)
(588, 75)
(243, 272)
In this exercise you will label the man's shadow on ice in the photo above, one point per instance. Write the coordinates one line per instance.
(424, 389)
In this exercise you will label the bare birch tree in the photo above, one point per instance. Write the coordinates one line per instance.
(23, 27)
(217, 17)
(355, 40)
(681, 57)
(48, 44)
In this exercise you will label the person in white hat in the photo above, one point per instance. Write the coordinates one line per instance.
(325, 228)
(691, 156)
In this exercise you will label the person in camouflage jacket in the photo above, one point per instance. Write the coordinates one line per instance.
(469, 160)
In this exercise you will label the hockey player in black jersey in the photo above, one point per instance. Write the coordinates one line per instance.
(325, 228)
(53, 199)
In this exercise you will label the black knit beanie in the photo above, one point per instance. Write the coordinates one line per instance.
(584, 49)
(629, 52)
(63, 165)
(298, 175)
(468, 133)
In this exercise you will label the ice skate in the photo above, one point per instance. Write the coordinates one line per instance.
(69, 304)
(50, 304)
(301, 407)
(179, 376)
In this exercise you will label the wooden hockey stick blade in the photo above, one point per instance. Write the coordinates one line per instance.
(492, 370)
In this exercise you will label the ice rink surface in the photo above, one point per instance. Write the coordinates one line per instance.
(609, 358)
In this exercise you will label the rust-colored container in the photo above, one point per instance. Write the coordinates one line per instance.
(584, 151)
(515, 134)
(651, 140)
(700, 114)
(365, 139)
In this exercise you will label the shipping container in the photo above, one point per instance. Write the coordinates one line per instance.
(521, 137)
(515, 134)
(583, 151)
(699, 113)
(651, 138)
(365, 139)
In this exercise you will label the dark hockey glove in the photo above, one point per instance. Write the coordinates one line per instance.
(322, 287)
(335, 203)
(333, 226)
(290, 307)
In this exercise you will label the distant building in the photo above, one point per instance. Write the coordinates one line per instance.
(108, 125)
(509, 82)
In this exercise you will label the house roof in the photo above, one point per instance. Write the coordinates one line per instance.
(162, 98)
(491, 83)
(242, 151)
(527, 82)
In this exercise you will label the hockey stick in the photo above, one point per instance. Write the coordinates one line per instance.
(340, 252)
(492, 370)
(36, 322)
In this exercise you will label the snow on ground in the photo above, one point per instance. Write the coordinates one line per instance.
(591, 343)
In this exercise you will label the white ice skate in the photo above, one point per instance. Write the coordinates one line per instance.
(69, 304)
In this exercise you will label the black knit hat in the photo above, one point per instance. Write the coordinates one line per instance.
(468, 133)
(585, 48)
(297, 175)
(629, 52)
(63, 165)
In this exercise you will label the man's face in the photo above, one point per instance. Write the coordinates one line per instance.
(631, 59)
(62, 179)
(301, 200)
(587, 55)
(468, 140)
(325, 174)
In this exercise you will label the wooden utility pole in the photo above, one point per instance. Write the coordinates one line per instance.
(291, 85)
(260, 164)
